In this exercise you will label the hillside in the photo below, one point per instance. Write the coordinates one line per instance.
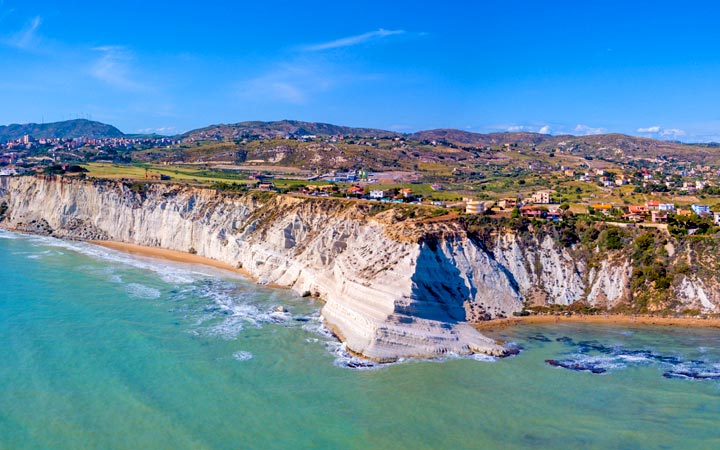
(66, 129)
(479, 139)
(320, 146)
(281, 129)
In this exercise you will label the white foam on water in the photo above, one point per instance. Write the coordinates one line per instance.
(226, 309)
(8, 235)
(242, 355)
(169, 272)
(635, 358)
(138, 290)
(483, 358)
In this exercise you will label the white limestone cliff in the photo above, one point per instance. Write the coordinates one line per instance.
(392, 289)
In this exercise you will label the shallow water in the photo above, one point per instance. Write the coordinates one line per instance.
(100, 349)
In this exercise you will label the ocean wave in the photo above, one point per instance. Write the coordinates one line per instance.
(138, 290)
(8, 235)
(225, 308)
(242, 355)
(168, 271)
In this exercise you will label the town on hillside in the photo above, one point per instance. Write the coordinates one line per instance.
(543, 178)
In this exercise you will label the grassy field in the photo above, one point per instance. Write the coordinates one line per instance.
(138, 172)
(185, 174)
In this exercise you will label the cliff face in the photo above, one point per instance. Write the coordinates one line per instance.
(392, 288)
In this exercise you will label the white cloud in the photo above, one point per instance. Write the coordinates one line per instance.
(672, 132)
(161, 130)
(291, 83)
(584, 130)
(516, 128)
(545, 129)
(27, 38)
(353, 40)
(114, 68)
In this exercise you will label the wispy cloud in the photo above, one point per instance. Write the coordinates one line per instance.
(113, 67)
(27, 38)
(542, 129)
(167, 131)
(672, 132)
(289, 82)
(668, 133)
(353, 40)
(585, 130)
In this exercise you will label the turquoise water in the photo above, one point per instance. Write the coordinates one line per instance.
(103, 350)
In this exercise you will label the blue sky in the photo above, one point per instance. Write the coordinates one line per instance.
(648, 68)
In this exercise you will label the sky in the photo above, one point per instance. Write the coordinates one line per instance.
(646, 68)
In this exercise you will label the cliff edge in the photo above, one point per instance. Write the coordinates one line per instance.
(393, 287)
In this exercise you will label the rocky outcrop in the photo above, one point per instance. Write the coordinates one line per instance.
(392, 288)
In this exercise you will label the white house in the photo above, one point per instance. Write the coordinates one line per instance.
(542, 197)
(377, 194)
(474, 207)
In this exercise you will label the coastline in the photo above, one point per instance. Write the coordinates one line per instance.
(600, 319)
(170, 255)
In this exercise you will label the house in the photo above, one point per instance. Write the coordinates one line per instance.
(716, 218)
(684, 212)
(355, 190)
(532, 211)
(542, 197)
(602, 207)
(701, 210)
(658, 216)
(554, 216)
(474, 207)
(638, 209)
(406, 193)
(507, 203)
(377, 194)
(325, 188)
(569, 173)
(632, 217)
(265, 186)
(669, 207)
(652, 205)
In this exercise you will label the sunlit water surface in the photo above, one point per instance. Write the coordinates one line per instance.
(99, 349)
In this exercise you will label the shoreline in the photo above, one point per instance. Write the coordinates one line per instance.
(600, 319)
(169, 255)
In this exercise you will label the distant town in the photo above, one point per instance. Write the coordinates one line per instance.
(503, 179)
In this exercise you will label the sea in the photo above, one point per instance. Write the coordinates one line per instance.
(101, 349)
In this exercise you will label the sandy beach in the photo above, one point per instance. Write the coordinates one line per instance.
(171, 255)
(492, 325)
(608, 319)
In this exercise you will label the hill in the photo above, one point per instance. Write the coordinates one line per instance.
(66, 129)
(479, 139)
(281, 129)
